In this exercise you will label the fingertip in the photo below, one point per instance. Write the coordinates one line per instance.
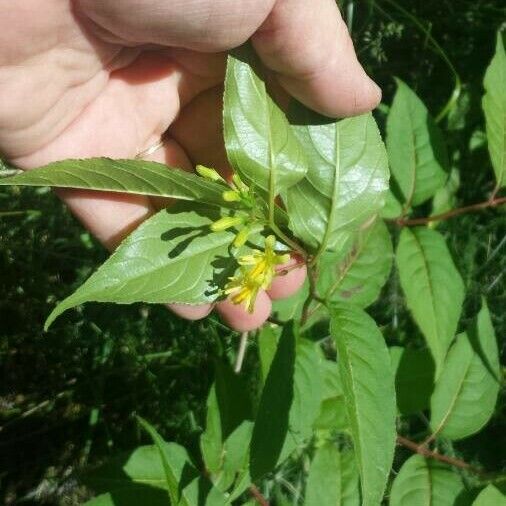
(238, 318)
(289, 279)
(189, 312)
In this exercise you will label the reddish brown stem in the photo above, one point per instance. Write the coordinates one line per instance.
(422, 450)
(257, 495)
(451, 214)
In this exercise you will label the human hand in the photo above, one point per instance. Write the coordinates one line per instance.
(106, 78)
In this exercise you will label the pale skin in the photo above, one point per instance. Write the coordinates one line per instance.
(108, 77)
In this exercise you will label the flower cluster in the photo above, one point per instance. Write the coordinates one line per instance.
(238, 192)
(257, 270)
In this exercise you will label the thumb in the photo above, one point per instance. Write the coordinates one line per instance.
(308, 46)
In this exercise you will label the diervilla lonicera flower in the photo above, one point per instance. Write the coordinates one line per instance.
(257, 271)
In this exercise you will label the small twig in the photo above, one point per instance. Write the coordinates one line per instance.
(422, 450)
(312, 276)
(257, 495)
(495, 202)
(241, 352)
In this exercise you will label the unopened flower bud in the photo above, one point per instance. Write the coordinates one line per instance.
(226, 222)
(208, 173)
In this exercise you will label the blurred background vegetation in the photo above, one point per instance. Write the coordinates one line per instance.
(67, 397)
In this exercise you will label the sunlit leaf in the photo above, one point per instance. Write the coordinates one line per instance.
(346, 182)
(357, 274)
(416, 150)
(153, 263)
(369, 392)
(332, 479)
(260, 144)
(466, 393)
(433, 287)
(490, 496)
(422, 482)
(494, 105)
(124, 176)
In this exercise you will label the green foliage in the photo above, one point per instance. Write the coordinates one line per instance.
(416, 150)
(364, 362)
(490, 496)
(494, 106)
(332, 478)
(433, 287)
(422, 482)
(150, 265)
(312, 416)
(124, 176)
(357, 273)
(345, 184)
(259, 142)
(466, 392)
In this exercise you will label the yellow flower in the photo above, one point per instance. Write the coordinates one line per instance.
(244, 289)
(264, 263)
(257, 271)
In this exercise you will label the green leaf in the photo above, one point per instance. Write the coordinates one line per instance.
(369, 392)
(225, 442)
(416, 149)
(357, 274)
(393, 208)
(124, 176)
(466, 393)
(490, 496)
(423, 482)
(289, 403)
(332, 479)
(433, 287)
(131, 496)
(445, 198)
(260, 144)
(332, 415)
(346, 182)
(267, 340)
(494, 106)
(172, 257)
(171, 477)
(140, 476)
(414, 378)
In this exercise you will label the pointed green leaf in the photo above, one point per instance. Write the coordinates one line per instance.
(260, 145)
(357, 274)
(433, 287)
(369, 392)
(289, 403)
(490, 496)
(494, 105)
(422, 482)
(465, 395)
(416, 150)
(332, 479)
(172, 257)
(124, 176)
(414, 378)
(346, 182)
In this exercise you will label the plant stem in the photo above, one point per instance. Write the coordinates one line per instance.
(422, 450)
(241, 352)
(496, 202)
(257, 495)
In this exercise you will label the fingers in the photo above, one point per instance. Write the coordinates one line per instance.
(237, 317)
(308, 45)
(290, 278)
